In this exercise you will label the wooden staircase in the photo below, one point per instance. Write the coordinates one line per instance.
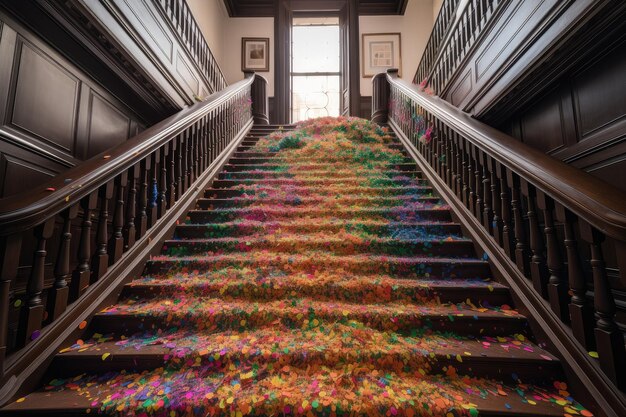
(305, 286)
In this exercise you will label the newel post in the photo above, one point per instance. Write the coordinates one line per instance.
(380, 96)
(260, 101)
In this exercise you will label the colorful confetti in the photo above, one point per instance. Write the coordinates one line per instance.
(326, 279)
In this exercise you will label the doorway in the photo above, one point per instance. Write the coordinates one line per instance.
(316, 67)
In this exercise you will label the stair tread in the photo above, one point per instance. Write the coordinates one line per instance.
(311, 277)
(501, 400)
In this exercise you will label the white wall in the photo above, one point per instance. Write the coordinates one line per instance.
(210, 15)
(415, 27)
(245, 27)
(436, 7)
(224, 35)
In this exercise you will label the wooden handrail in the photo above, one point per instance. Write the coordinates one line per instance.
(110, 202)
(24, 210)
(552, 221)
(600, 203)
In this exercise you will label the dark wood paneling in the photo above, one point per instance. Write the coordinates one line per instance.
(583, 119)
(108, 126)
(366, 107)
(44, 99)
(52, 115)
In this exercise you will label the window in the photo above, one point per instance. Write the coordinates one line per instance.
(315, 67)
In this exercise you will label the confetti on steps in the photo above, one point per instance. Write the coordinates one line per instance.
(320, 274)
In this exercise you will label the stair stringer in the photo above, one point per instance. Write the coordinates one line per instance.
(584, 375)
(30, 367)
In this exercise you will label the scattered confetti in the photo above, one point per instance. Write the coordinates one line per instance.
(322, 284)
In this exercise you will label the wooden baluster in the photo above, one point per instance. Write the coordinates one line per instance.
(190, 151)
(116, 242)
(185, 160)
(162, 199)
(10, 247)
(203, 143)
(141, 222)
(521, 246)
(82, 273)
(447, 160)
(486, 184)
(153, 190)
(464, 170)
(609, 339)
(171, 191)
(470, 178)
(131, 209)
(580, 310)
(58, 295)
(459, 166)
(505, 212)
(557, 285)
(32, 313)
(538, 268)
(478, 210)
(100, 259)
(496, 221)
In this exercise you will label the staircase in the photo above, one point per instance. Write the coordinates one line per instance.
(320, 274)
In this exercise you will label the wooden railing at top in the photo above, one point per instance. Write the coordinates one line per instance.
(440, 29)
(520, 196)
(110, 201)
(182, 19)
(460, 36)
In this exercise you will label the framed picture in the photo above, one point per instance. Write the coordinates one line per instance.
(255, 54)
(380, 51)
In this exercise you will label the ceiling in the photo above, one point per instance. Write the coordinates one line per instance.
(265, 8)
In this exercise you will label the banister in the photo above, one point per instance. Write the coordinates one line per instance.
(25, 210)
(520, 203)
(599, 203)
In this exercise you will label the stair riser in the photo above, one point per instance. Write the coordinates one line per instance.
(247, 175)
(312, 167)
(460, 249)
(467, 326)
(220, 230)
(446, 294)
(319, 182)
(322, 193)
(299, 161)
(411, 268)
(214, 203)
(528, 370)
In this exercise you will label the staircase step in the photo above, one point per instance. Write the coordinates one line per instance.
(215, 314)
(321, 182)
(295, 162)
(498, 400)
(211, 203)
(269, 213)
(317, 174)
(338, 245)
(252, 147)
(296, 191)
(272, 284)
(378, 228)
(484, 357)
(402, 266)
(230, 167)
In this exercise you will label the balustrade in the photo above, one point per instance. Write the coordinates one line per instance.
(91, 222)
(525, 201)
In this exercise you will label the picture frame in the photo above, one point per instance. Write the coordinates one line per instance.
(379, 52)
(255, 54)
